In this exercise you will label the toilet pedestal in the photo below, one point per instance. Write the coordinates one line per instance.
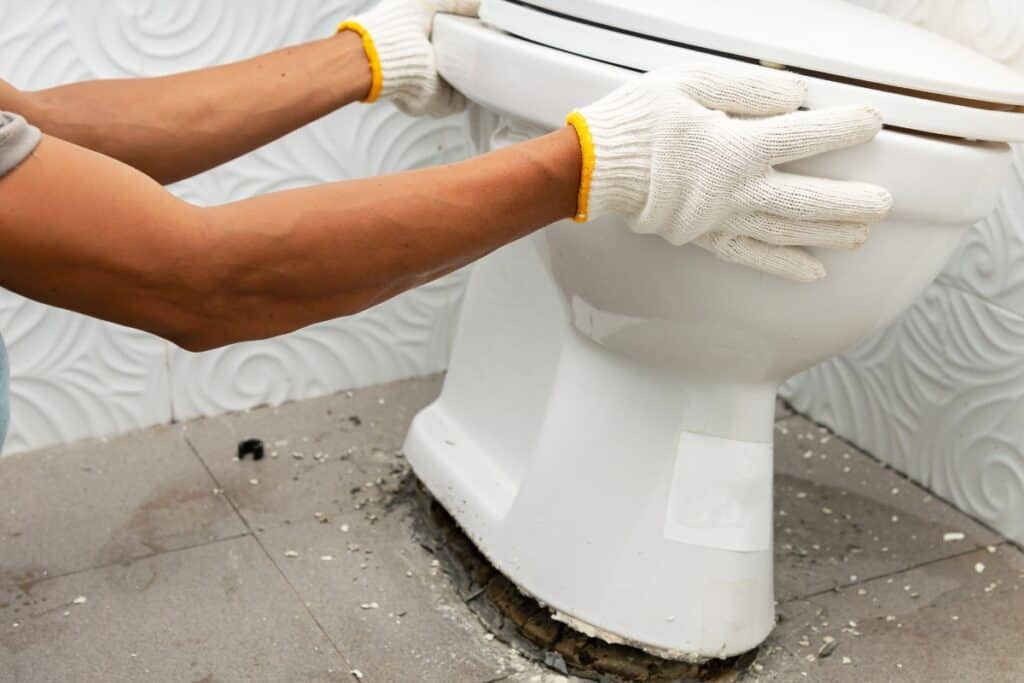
(590, 480)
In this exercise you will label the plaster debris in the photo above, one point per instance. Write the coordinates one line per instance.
(327, 558)
(80, 600)
(254, 482)
(291, 553)
(344, 528)
(357, 674)
(979, 567)
(990, 548)
(369, 605)
(847, 660)
(951, 536)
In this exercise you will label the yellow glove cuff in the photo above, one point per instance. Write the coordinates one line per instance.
(577, 121)
(376, 75)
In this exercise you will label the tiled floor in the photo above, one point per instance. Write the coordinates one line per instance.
(160, 557)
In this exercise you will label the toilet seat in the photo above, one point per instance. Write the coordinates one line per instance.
(919, 81)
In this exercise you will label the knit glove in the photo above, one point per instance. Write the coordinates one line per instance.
(686, 152)
(396, 37)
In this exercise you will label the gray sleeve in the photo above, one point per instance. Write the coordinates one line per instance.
(17, 140)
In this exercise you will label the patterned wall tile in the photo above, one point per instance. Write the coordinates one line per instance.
(75, 377)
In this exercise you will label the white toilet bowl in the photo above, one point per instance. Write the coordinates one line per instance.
(604, 434)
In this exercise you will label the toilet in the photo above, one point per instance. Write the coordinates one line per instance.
(604, 434)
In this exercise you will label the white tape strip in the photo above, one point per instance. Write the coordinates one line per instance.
(721, 494)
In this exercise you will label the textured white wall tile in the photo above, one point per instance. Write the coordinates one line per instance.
(74, 377)
(990, 261)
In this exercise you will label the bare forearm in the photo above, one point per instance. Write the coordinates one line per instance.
(176, 126)
(265, 266)
(341, 248)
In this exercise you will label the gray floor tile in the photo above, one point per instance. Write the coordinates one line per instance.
(331, 504)
(945, 621)
(337, 466)
(316, 450)
(843, 517)
(72, 508)
(220, 612)
(393, 613)
(782, 409)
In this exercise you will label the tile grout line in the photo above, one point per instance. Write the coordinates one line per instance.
(133, 560)
(270, 557)
(894, 573)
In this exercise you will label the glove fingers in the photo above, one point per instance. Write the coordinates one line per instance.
(740, 89)
(803, 134)
(787, 232)
(791, 263)
(816, 199)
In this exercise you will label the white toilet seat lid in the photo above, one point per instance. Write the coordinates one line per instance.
(848, 54)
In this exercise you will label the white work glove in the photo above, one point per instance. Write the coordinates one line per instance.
(396, 37)
(664, 152)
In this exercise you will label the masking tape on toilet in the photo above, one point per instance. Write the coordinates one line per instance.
(721, 494)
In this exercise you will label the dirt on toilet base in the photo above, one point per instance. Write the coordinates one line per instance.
(523, 623)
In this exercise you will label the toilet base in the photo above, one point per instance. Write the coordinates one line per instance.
(522, 623)
(580, 475)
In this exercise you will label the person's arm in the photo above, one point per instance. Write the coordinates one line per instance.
(176, 126)
(85, 232)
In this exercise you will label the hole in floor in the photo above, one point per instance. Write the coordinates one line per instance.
(524, 624)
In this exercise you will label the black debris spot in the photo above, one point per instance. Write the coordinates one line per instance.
(253, 447)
